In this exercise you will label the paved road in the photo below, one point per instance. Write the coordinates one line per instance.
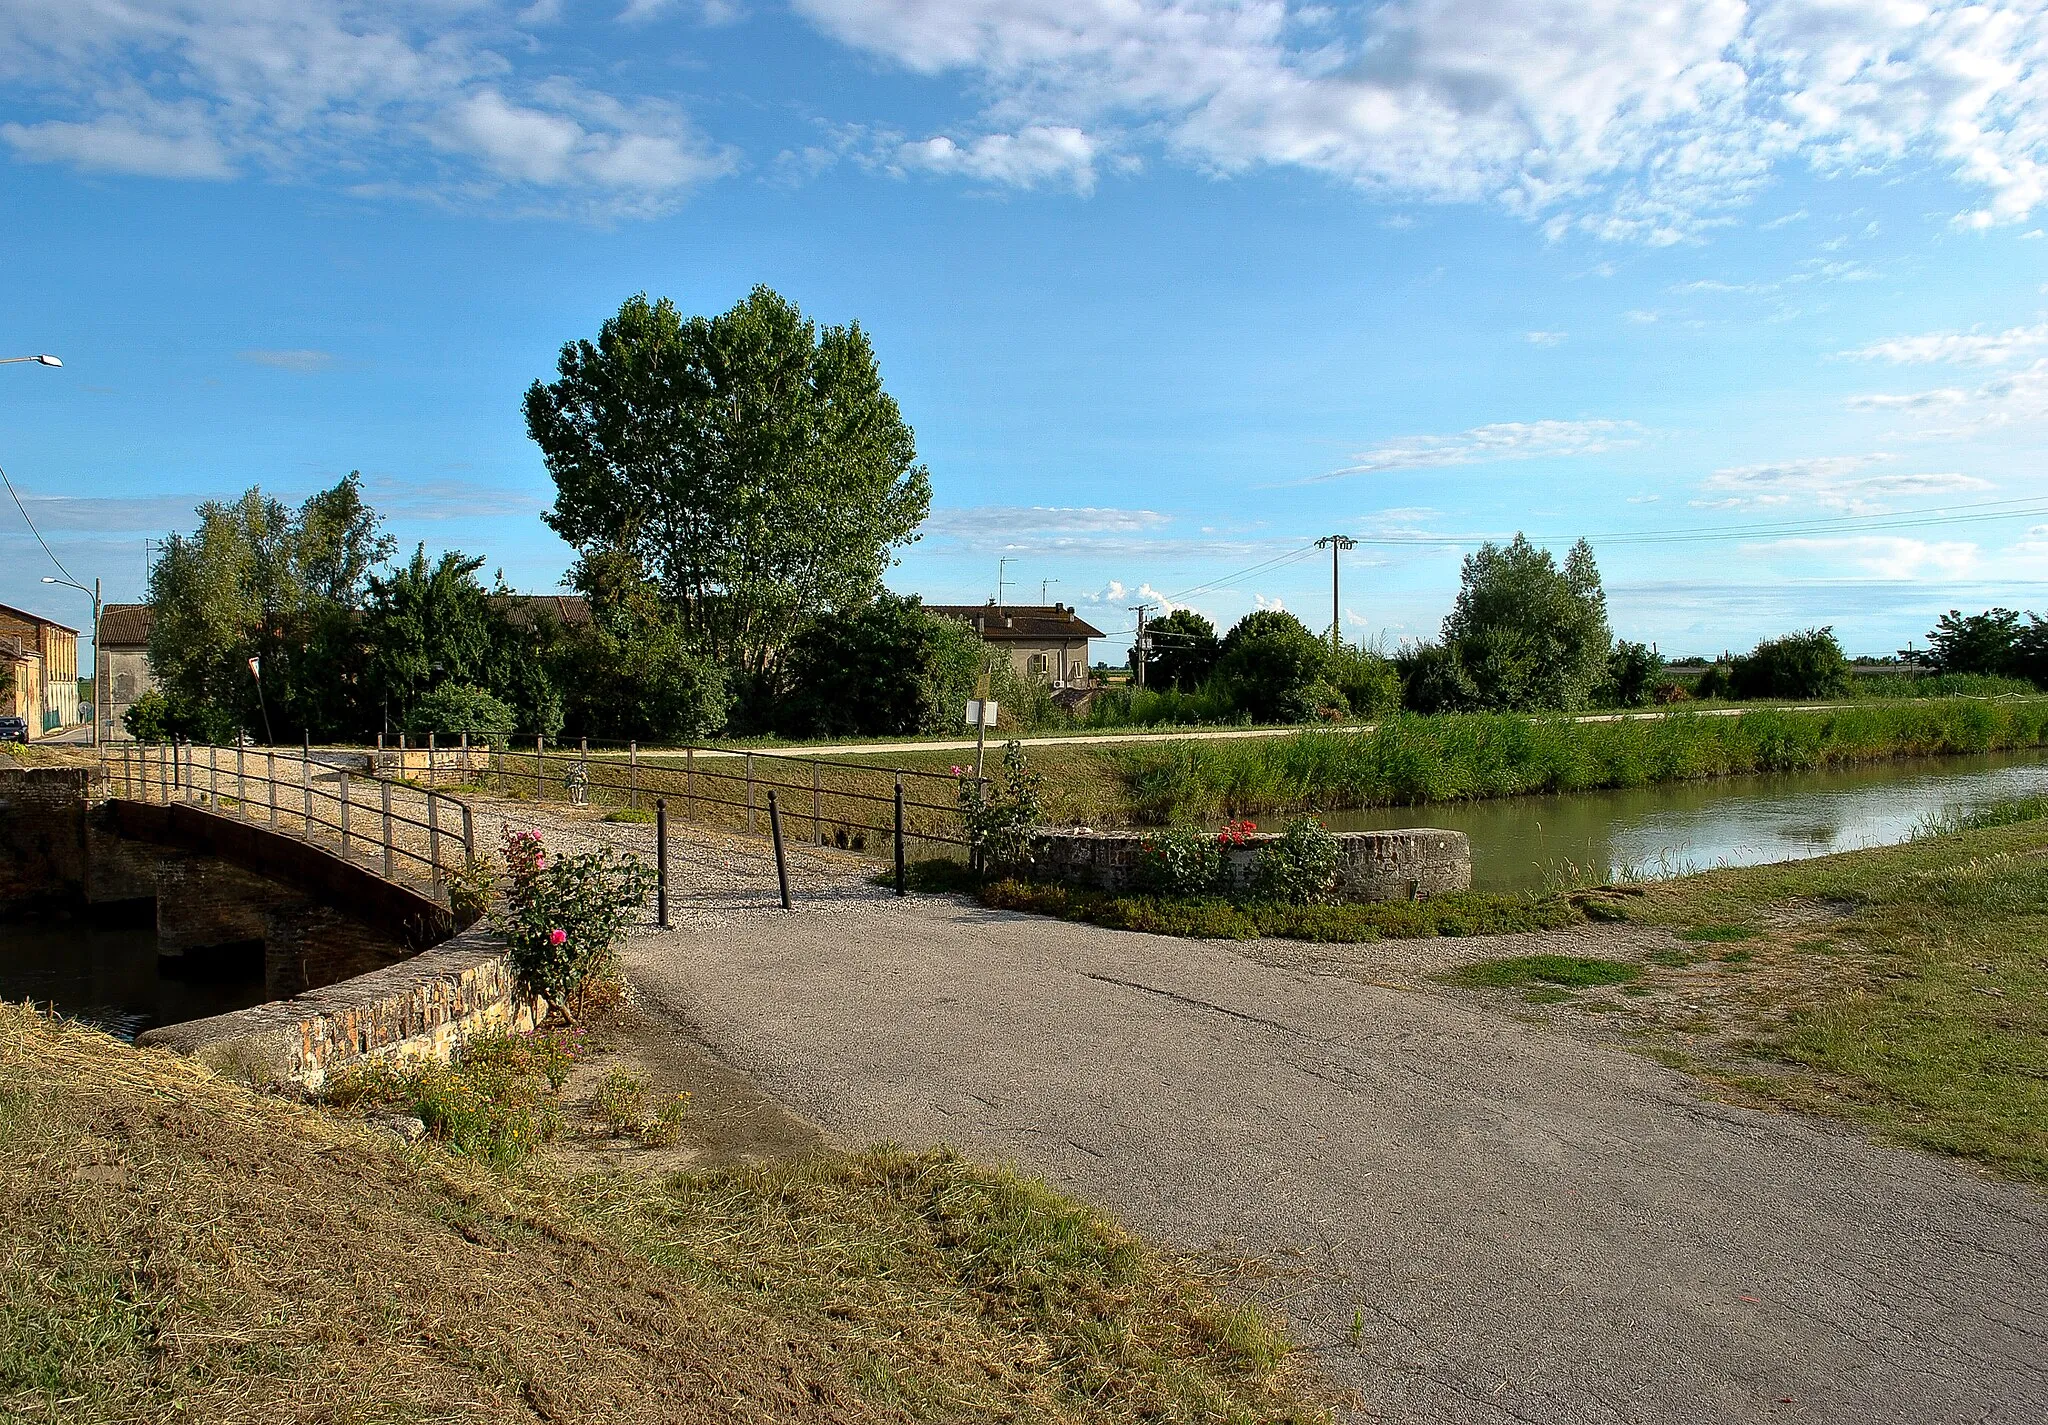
(1529, 1228)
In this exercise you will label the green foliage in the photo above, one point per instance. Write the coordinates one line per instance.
(1528, 634)
(1214, 918)
(158, 716)
(562, 918)
(640, 679)
(1179, 862)
(1993, 644)
(1432, 679)
(886, 668)
(494, 1102)
(1273, 667)
(1798, 666)
(469, 890)
(1129, 706)
(1184, 651)
(1298, 867)
(1369, 682)
(999, 815)
(1633, 675)
(750, 463)
(455, 708)
(1409, 760)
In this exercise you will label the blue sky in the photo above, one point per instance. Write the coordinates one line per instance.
(1756, 296)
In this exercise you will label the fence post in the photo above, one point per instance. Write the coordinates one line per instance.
(899, 837)
(430, 780)
(270, 778)
(540, 766)
(750, 794)
(433, 834)
(817, 826)
(241, 782)
(468, 838)
(775, 835)
(633, 775)
(386, 786)
(306, 789)
(690, 782)
(163, 772)
(661, 862)
(213, 775)
(344, 816)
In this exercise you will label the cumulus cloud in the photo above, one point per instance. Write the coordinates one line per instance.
(1626, 121)
(1835, 482)
(1482, 445)
(2010, 398)
(1543, 338)
(979, 519)
(454, 102)
(1880, 556)
(1033, 156)
(302, 360)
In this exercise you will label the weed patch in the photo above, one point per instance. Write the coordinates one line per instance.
(1569, 971)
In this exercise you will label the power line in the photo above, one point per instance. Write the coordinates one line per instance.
(33, 530)
(1976, 513)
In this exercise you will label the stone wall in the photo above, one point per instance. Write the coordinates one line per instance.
(426, 1005)
(1371, 865)
(43, 859)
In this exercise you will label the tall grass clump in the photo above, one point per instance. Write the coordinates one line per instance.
(1413, 760)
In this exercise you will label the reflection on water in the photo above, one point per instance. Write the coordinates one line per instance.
(1524, 843)
(110, 976)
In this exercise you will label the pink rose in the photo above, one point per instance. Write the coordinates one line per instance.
(556, 937)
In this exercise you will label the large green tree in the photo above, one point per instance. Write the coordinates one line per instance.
(750, 464)
(1273, 667)
(261, 579)
(1183, 653)
(1527, 633)
(890, 667)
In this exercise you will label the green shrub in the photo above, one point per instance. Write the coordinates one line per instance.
(1273, 667)
(887, 668)
(1298, 867)
(1633, 676)
(494, 1102)
(561, 919)
(455, 708)
(1799, 666)
(1178, 862)
(999, 814)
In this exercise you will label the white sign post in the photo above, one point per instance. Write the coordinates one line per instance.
(981, 711)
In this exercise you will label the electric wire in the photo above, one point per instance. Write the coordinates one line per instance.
(32, 527)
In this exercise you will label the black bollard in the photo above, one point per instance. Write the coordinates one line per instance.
(660, 862)
(775, 835)
(900, 879)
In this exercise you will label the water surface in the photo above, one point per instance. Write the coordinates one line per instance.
(1525, 843)
(111, 976)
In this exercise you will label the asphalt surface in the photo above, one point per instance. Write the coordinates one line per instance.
(1465, 1217)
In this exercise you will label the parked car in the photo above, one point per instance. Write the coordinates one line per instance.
(13, 729)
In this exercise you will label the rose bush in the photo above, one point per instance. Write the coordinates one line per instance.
(561, 918)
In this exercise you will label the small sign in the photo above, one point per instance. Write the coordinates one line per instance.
(980, 688)
(975, 707)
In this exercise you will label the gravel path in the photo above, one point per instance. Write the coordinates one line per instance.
(1466, 1217)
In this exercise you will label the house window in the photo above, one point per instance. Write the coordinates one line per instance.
(1041, 666)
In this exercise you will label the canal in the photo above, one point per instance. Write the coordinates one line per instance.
(111, 976)
(1530, 843)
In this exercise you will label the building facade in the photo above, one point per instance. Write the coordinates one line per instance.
(121, 669)
(43, 656)
(1048, 643)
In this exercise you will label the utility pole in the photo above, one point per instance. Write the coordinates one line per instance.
(1144, 644)
(1337, 544)
(1002, 568)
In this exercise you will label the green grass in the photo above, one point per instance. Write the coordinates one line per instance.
(1718, 934)
(1575, 972)
(1907, 988)
(1469, 913)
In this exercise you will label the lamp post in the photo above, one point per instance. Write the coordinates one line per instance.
(256, 672)
(44, 360)
(98, 663)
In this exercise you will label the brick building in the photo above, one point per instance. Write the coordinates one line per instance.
(41, 683)
(1047, 643)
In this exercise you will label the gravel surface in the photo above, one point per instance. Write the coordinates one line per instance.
(1466, 1217)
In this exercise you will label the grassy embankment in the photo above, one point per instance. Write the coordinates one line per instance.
(180, 1248)
(1903, 988)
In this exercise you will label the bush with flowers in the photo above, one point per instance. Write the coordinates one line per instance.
(1001, 812)
(1180, 862)
(562, 917)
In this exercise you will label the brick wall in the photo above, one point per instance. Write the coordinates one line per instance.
(43, 858)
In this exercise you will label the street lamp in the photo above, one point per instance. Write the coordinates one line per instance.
(98, 658)
(44, 360)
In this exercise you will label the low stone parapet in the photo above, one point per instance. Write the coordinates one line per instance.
(1371, 865)
(426, 1005)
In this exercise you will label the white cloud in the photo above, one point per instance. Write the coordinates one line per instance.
(1007, 519)
(1834, 482)
(453, 101)
(1974, 348)
(1543, 338)
(1603, 116)
(1482, 445)
(2007, 399)
(1274, 602)
(1879, 556)
(1034, 155)
(302, 360)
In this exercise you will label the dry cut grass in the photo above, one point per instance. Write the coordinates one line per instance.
(178, 1248)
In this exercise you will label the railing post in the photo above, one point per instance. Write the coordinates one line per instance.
(430, 777)
(661, 862)
(633, 775)
(270, 779)
(750, 794)
(344, 816)
(433, 832)
(690, 782)
(163, 773)
(540, 766)
(817, 825)
(386, 786)
(775, 835)
(900, 878)
(241, 780)
(306, 789)
(213, 775)
(468, 837)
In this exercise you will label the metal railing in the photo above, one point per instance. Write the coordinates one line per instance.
(372, 830)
